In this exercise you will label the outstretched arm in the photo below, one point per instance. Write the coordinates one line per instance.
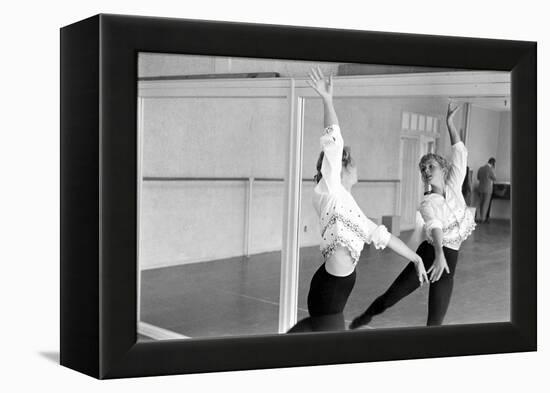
(453, 132)
(401, 248)
(324, 88)
(433, 227)
(439, 265)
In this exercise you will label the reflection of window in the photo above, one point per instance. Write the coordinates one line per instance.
(414, 122)
(421, 122)
(418, 122)
(405, 121)
(429, 122)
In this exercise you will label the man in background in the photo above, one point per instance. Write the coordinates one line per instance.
(467, 186)
(486, 177)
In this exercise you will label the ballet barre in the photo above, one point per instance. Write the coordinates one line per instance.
(265, 179)
(250, 181)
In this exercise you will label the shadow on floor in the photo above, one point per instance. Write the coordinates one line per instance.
(52, 356)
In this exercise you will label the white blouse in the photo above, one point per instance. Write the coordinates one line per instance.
(449, 212)
(342, 222)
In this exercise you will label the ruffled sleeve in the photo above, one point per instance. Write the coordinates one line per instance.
(379, 237)
(374, 234)
(430, 217)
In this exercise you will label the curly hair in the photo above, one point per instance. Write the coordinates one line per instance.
(346, 161)
(442, 161)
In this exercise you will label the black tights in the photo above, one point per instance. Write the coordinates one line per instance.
(407, 282)
(326, 300)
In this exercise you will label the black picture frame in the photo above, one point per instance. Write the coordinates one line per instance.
(98, 196)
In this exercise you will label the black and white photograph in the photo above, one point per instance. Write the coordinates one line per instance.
(285, 197)
(245, 196)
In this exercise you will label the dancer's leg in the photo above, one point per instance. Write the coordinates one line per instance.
(330, 322)
(441, 290)
(489, 208)
(321, 323)
(301, 326)
(403, 285)
(326, 300)
(329, 294)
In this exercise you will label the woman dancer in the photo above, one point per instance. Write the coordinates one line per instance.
(344, 227)
(447, 223)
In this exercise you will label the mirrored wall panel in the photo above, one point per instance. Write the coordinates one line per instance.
(281, 197)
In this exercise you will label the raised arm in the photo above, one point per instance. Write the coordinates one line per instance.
(324, 88)
(331, 140)
(459, 153)
(453, 132)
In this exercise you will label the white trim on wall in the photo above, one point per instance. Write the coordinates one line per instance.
(288, 298)
(248, 219)
(444, 84)
(140, 114)
(215, 88)
(486, 84)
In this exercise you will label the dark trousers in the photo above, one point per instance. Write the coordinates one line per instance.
(407, 282)
(485, 199)
(326, 300)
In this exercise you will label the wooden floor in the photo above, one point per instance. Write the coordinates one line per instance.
(240, 296)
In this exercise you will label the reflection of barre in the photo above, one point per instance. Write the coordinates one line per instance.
(176, 178)
(266, 179)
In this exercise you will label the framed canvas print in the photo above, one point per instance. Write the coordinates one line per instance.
(239, 196)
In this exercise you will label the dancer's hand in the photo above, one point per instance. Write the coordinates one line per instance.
(318, 82)
(420, 269)
(438, 268)
(451, 112)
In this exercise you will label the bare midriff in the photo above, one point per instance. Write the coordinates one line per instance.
(340, 263)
